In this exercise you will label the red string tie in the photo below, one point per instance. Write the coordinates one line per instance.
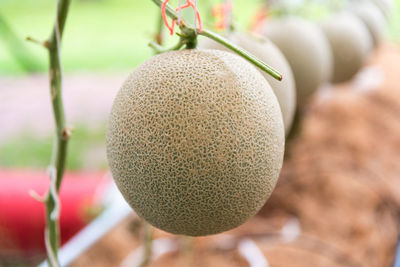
(189, 3)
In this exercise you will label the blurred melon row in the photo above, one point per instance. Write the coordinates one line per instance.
(308, 53)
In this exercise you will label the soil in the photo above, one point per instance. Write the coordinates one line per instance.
(338, 197)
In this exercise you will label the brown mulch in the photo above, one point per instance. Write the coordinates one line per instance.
(340, 181)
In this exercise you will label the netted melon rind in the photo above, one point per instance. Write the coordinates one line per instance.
(266, 51)
(373, 18)
(350, 43)
(195, 141)
(306, 49)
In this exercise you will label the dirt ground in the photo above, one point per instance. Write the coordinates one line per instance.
(337, 200)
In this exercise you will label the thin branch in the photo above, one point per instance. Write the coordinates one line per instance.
(36, 41)
(57, 165)
(243, 53)
(158, 49)
(159, 38)
(147, 240)
(169, 10)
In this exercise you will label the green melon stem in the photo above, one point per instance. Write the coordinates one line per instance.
(243, 53)
(158, 49)
(147, 240)
(158, 37)
(190, 41)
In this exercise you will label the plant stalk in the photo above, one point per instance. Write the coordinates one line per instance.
(57, 164)
(159, 38)
(216, 37)
(241, 52)
(147, 240)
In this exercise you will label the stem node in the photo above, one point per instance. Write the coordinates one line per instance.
(36, 41)
(66, 132)
(35, 195)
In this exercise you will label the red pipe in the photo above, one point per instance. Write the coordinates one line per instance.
(22, 217)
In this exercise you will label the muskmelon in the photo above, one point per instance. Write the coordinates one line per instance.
(307, 51)
(350, 44)
(265, 50)
(386, 7)
(373, 19)
(195, 141)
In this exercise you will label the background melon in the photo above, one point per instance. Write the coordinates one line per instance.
(195, 141)
(350, 43)
(307, 51)
(373, 18)
(266, 51)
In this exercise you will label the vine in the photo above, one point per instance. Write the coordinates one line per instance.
(63, 133)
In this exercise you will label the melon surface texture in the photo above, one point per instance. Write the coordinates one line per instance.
(195, 141)
(373, 18)
(266, 51)
(306, 49)
(350, 43)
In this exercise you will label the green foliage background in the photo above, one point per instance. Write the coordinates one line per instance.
(101, 35)
(106, 35)
(85, 150)
(109, 35)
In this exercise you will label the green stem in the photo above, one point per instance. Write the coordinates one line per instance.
(147, 243)
(169, 10)
(185, 28)
(188, 248)
(159, 38)
(57, 164)
(241, 52)
(160, 49)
